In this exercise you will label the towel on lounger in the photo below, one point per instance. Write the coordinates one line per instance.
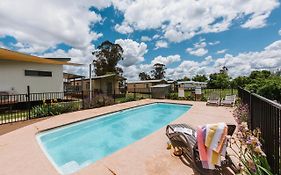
(211, 141)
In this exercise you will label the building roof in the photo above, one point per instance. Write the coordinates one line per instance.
(60, 59)
(71, 76)
(6, 54)
(103, 76)
(170, 81)
(191, 82)
(145, 81)
(161, 85)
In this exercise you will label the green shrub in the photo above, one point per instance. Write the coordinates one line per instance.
(173, 96)
(54, 109)
(99, 101)
(40, 111)
(127, 99)
(203, 98)
(190, 98)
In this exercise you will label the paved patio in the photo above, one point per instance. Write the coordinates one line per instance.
(21, 154)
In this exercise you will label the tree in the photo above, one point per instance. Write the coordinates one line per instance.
(108, 55)
(186, 78)
(219, 80)
(260, 74)
(241, 81)
(224, 69)
(277, 72)
(271, 89)
(200, 78)
(159, 71)
(144, 76)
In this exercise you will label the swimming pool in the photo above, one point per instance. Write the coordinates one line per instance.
(75, 146)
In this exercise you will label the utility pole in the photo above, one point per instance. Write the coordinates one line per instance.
(90, 78)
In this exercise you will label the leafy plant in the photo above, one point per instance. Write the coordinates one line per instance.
(98, 101)
(173, 96)
(53, 108)
(127, 99)
(252, 158)
(247, 147)
(40, 110)
(241, 113)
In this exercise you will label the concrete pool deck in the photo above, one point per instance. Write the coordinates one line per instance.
(21, 154)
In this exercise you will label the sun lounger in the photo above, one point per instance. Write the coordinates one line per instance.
(183, 137)
(213, 99)
(229, 100)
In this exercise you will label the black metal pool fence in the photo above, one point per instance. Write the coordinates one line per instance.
(265, 114)
(20, 107)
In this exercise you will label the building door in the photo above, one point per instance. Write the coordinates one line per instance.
(109, 88)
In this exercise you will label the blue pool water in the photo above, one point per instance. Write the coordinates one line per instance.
(75, 146)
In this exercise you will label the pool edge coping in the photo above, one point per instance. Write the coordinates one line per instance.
(37, 134)
(107, 113)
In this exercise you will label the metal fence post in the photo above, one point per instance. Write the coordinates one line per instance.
(83, 102)
(134, 92)
(28, 101)
(114, 95)
(251, 112)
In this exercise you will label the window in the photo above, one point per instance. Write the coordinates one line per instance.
(37, 73)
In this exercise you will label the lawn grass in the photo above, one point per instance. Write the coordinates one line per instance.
(13, 116)
(221, 92)
(207, 92)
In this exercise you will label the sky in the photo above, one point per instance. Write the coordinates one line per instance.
(189, 36)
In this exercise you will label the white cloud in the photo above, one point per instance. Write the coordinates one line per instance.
(182, 19)
(41, 25)
(279, 32)
(199, 49)
(124, 28)
(132, 72)
(257, 21)
(214, 43)
(77, 56)
(145, 38)
(242, 64)
(221, 51)
(166, 60)
(161, 44)
(156, 36)
(133, 51)
(197, 52)
(2, 45)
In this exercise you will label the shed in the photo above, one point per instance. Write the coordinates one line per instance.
(143, 86)
(160, 90)
(192, 84)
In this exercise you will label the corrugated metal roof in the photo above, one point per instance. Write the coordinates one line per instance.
(160, 85)
(6, 54)
(145, 81)
(104, 76)
(191, 82)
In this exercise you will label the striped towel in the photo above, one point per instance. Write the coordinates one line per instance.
(211, 140)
